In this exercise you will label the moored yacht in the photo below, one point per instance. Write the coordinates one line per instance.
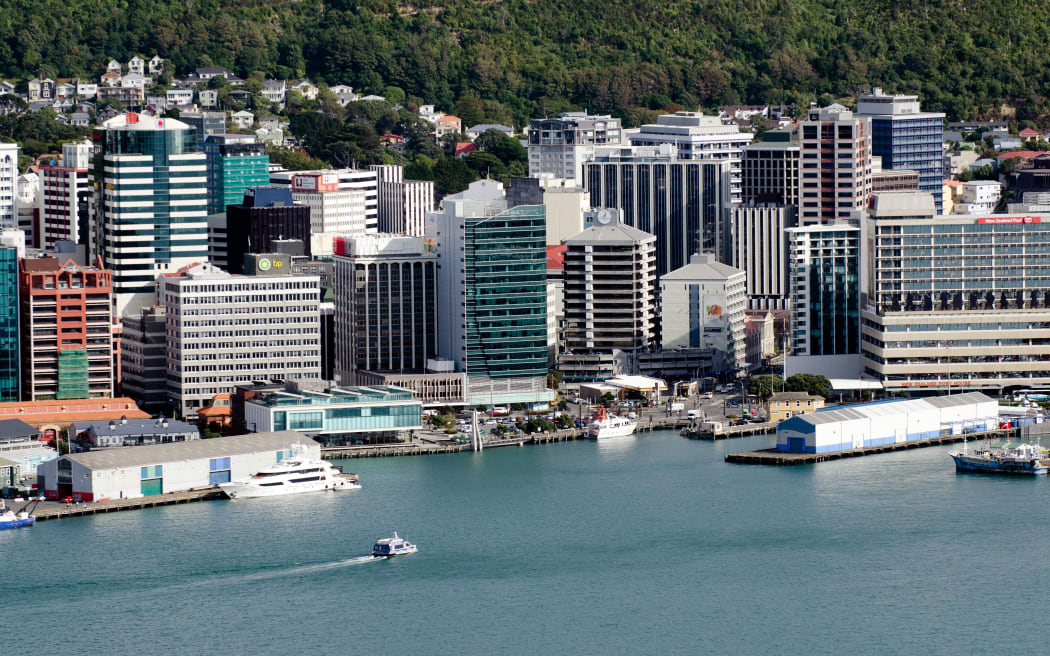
(610, 426)
(298, 473)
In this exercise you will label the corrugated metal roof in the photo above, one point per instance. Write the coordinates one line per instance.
(158, 454)
(161, 426)
(958, 399)
(16, 428)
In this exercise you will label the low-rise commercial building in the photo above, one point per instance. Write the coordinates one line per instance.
(20, 443)
(165, 468)
(887, 422)
(52, 417)
(784, 405)
(338, 415)
(134, 432)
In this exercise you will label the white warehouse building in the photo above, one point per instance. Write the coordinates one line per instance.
(128, 473)
(887, 422)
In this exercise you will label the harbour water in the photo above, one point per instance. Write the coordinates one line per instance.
(647, 544)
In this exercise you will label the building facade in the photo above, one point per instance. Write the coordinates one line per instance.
(385, 305)
(403, 204)
(10, 363)
(224, 329)
(492, 294)
(558, 147)
(824, 273)
(149, 212)
(67, 330)
(89, 436)
(702, 307)
(346, 179)
(338, 415)
(65, 197)
(144, 357)
(957, 302)
(333, 210)
(205, 123)
(8, 184)
(759, 246)
(609, 298)
(235, 162)
(835, 166)
(683, 203)
(770, 173)
(906, 137)
(265, 216)
(699, 137)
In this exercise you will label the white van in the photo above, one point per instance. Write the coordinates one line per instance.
(695, 414)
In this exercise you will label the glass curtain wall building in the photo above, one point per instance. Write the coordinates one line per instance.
(150, 208)
(9, 349)
(235, 162)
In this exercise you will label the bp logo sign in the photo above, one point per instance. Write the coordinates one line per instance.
(264, 264)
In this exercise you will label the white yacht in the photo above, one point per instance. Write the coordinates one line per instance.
(296, 474)
(611, 426)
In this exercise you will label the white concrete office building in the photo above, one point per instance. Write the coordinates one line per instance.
(836, 164)
(8, 184)
(403, 204)
(759, 246)
(558, 147)
(702, 306)
(345, 179)
(699, 137)
(225, 329)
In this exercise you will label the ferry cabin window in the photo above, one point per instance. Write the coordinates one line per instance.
(270, 484)
(306, 479)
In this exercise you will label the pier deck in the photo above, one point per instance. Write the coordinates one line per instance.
(55, 510)
(774, 457)
(747, 430)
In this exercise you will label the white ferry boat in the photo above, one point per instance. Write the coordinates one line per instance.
(296, 474)
(611, 426)
(394, 546)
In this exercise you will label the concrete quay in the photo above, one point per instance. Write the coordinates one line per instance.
(774, 457)
(729, 432)
(56, 510)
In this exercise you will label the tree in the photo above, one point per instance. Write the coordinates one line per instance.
(607, 399)
(815, 384)
(765, 385)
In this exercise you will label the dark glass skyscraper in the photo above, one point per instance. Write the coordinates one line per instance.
(9, 353)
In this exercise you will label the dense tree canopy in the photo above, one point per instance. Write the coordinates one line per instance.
(514, 59)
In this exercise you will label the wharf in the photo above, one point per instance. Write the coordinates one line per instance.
(54, 510)
(774, 457)
(746, 430)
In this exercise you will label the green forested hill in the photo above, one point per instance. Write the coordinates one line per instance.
(965, 57)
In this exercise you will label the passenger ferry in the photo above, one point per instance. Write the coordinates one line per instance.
(610, 426)
(394, 546)
(294, 475)
(1010, 458)
(12, 519)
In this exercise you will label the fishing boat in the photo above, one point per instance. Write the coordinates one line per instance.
(610, 426)
(12, 519)
(394, 546)
(1015, 458)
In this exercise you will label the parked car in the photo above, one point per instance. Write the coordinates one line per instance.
(709, 395)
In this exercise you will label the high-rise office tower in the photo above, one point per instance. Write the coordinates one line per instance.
(385, 306)
(825, 299)
(492, 294)
(235, 162)
(759, 246)
(906, 137)
(27, 206)
(205, 123)
(403, 204)
(67, 330)
(558, 147)
(836, 164)
(65, 197)
(8, 184)
(699, 137)
(9, 329)
(770, 172)
(955, 302)
(333, 210)
(609, 300)
(149, 212)
(224, 329)
(265, 215)
(683, 203)
(703, 307)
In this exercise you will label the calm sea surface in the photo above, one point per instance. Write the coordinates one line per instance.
(648, 544)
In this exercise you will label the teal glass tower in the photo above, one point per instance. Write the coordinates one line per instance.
(492, 294)
(149, 213)
(9, 349)
(235, 162)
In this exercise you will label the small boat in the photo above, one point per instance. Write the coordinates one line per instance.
(299, 473)
(394, 546)
(1010, 458)
(610, 426)
(12, 519)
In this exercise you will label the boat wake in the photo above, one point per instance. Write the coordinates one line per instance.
(310, 569)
